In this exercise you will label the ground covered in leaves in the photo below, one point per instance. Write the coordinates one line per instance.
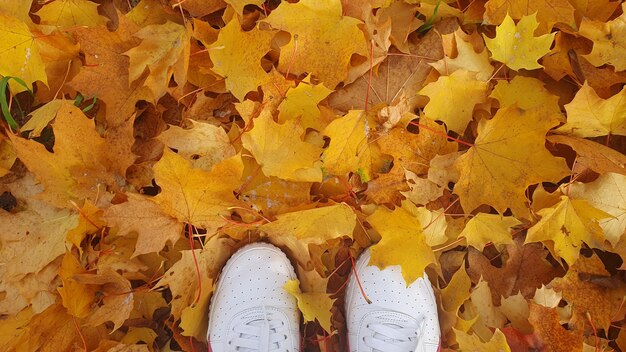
(143, 142)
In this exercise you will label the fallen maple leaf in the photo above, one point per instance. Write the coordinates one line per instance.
(22, 58)
(164, 50)
(298, 229)
(473, 343)
(485, 228)
(467, 59)
(284, 155)
(118, 297)
(588, 115)
(606, 194)
(593, 295)
(548, 12)
(104, 62)
(301, 103)
(593, 155)
(608, 41)
(76, 169)
(349, 150)
(76, 296)
(516, 45)
(550, 332)
(452, 99)
(237, 57)
(568, 224)
(196, 196)
(526, 93)
(313, 305)
(182, 277)
(309, 20)
(146, 218)
(524, 269)
(204, 144)
(402, 243)
(70, 13)
(507, 157)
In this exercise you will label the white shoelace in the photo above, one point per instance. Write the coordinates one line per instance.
(392, 337)
(265, 332)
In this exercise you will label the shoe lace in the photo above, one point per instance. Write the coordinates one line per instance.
(390, 336)
(263, 332)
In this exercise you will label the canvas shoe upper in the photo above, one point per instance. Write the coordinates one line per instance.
(399, 318)
(250, 310)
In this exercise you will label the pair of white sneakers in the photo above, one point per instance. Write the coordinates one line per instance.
(251, 311)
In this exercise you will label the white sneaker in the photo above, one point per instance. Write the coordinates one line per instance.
(250, 310)
(399, 319)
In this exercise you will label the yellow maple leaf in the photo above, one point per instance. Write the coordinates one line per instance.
(204, 144)
(526, 93)
(508, 155)
(20, 54)
(549, 12)
(198, 197)
(568, 224)
(140, 215)
(164, 51)
(49, 330)
(75, 296)
(515, 308)
(349, 149)
(457, 291)
(415, 151)
(237, 57)
(89, 222)
(308, 21)
(298, 229)
(118, 301)
(484, 309)
(402, 243)
(182, 277)
(30, 243)
(609, 41)
(516, 45)
(606, 193)
(193, 319)
(313, 305)
(473, 342)
(272, 195)
(467, 59)
(76, 169)
(599, 10)
(301, 103)
(484, 228)
(433, 222)
(588, 115)
(452, 99)
(70, 13)
(105, 73)
(281, 152)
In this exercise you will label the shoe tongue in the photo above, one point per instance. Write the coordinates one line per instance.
(392, 321)
(259, 320)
